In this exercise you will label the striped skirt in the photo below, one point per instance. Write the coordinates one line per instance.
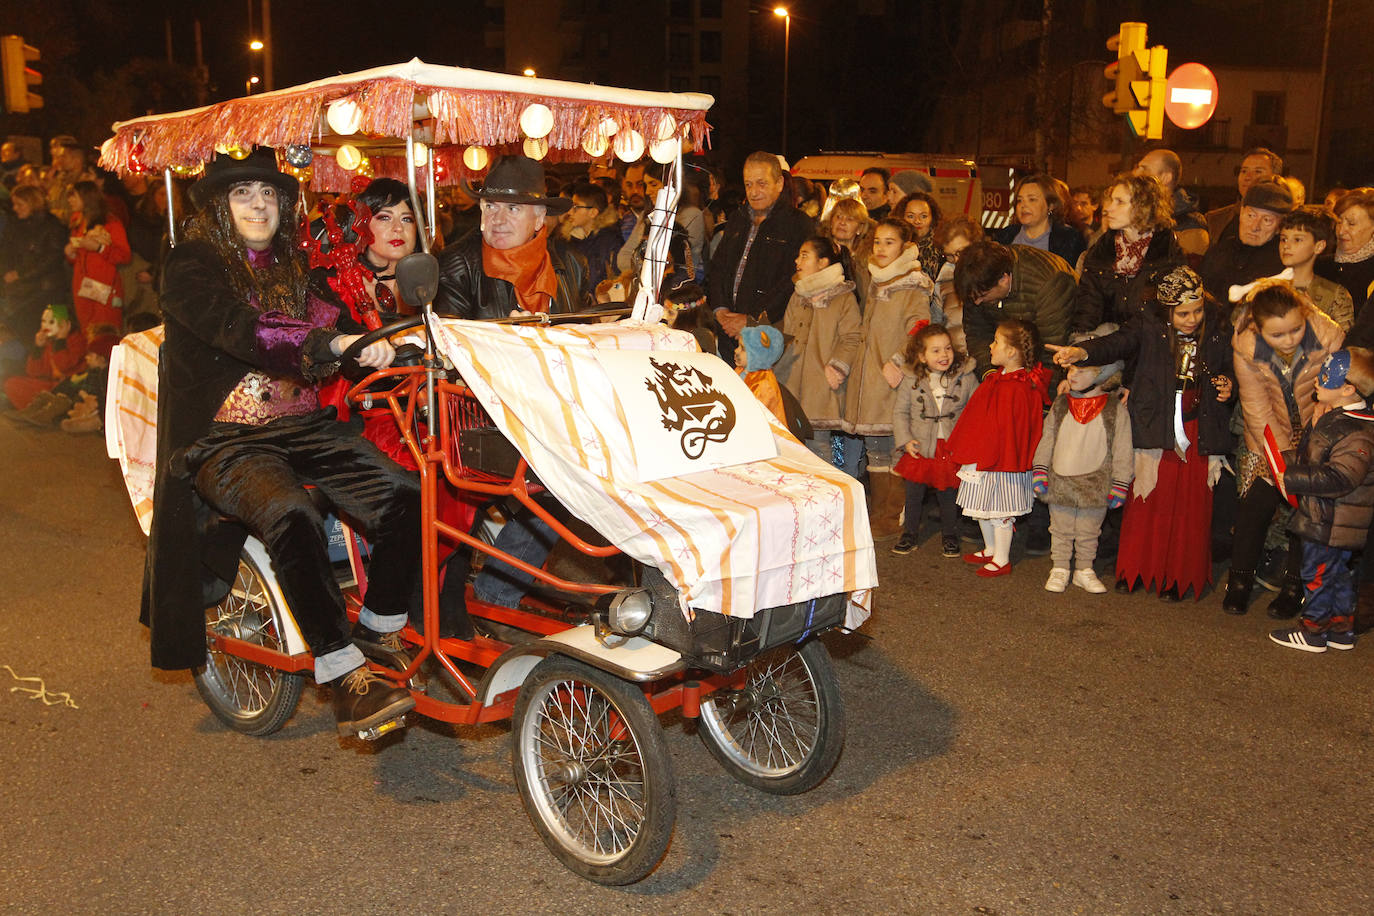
(995, 494)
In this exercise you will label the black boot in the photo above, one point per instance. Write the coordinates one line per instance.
(1238, 587)
(363, 701)
(1288, 602)
(386, 649)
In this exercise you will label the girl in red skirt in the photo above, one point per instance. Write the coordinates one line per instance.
(1180, 406)
(929, 401)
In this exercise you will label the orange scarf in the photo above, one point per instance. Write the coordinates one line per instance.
(526, 267)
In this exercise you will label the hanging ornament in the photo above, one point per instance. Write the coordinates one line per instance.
(594, 144)
(536, 120)
(188, 171)
(440, 169)
(237, 152)
(421, 154)
(300, 155)
(365, 167)
(358, 184)
(608, 127)
(536, 149)
(348, 157)
(136, 165)
(629, 146)
(344, 116)
(475, 158)
(664, 151)
(666, 127)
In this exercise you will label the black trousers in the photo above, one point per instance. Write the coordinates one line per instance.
(1254, 513)
(256, 474)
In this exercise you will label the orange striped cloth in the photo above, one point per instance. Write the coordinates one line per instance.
(734, 539)
(131, 417)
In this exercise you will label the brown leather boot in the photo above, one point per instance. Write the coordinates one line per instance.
(47, 411)
(889, 497)
(363, 701)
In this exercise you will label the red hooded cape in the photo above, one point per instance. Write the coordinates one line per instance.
(1000, 427)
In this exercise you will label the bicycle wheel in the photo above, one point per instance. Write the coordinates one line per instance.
(245, 696)
(593, 771)
(784, 730)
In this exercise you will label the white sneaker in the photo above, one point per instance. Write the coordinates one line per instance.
(1087, 580)
(1058, 580)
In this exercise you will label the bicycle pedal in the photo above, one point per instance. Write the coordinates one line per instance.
(385, 728)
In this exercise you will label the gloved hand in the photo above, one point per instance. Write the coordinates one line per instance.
(1116, 497)
(1040, 481)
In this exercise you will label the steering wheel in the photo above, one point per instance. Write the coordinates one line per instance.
(406, 354)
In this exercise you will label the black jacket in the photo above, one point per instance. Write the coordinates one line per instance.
(1105, 295)
(1065, 240)
(33, 248)
(766, 285)
(212, 342)
(1231, 262)
(1144, 340)
(1330, 473)
(466, 292)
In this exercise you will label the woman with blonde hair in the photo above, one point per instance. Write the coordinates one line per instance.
(848, 225)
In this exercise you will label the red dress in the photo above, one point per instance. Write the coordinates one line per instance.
(1166, 538)
(939, 471)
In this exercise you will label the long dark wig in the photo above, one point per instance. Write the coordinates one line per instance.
(283, 285)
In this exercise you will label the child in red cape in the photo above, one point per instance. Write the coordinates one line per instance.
(994, 443)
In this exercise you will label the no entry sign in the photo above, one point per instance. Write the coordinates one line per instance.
(1190, 96)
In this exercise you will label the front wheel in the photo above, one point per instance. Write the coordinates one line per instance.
(248, 697)
(783, 731)
(593, 771)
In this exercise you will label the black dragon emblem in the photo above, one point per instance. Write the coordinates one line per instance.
(691, 403)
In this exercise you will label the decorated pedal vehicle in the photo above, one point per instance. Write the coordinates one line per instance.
(742, 547)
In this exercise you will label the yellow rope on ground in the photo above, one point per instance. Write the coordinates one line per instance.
(41, 691)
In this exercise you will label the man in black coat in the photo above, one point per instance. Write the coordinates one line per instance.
(240, 430)
(1253, 251)
(750, 278)
(512, 265)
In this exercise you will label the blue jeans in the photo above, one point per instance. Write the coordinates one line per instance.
(526, 536)
(1330, 603)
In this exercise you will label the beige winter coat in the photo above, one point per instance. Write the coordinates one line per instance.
(898, 297)
(822, 320)
(1261, 396)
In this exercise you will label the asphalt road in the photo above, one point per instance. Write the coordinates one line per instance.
(1009, 751)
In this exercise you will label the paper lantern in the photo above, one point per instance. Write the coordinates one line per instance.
(536, 121)
(421, 154)
(664, 151)
(595, 144)
(536, 149)
(608, 127)
(629, 146)
(344, 116)
(348, 157)
(475, 158)
(666, 127)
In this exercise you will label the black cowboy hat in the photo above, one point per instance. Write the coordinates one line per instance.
(224, 171)
(520, 180)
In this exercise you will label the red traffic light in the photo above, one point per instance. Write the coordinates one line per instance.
(1190, 96)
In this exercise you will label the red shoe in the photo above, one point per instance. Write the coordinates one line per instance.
(978, 559)
(1003, 570)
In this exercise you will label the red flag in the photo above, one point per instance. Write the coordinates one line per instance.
(1277, 465)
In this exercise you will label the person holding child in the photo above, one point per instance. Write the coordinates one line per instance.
(929, 401)
(1280, 343)
(97, 248)
(1332, 475)
(822, 320)
(1180, 411)
(1083, 467)
(995, 439)
(898, 297)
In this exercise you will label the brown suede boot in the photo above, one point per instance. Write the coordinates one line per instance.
(889, 497)
(46, 412)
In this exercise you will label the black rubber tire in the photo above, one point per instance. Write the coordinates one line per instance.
(247, 697)
(787, 686)
(554, 764)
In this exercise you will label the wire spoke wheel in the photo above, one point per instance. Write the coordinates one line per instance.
(593, 771)
(783, 731)
(246, 696)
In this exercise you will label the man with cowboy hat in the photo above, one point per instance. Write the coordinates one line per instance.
(240, 429)
(512, 265)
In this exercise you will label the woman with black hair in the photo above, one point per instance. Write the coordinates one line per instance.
(823, 322)
(96, 248)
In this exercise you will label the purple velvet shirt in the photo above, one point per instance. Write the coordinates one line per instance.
(281, 337)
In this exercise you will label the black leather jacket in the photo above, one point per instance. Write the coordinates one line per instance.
(466, 292)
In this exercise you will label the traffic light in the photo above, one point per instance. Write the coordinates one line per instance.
(14, 59)
(1138, 77)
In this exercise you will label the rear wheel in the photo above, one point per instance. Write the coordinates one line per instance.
(784, 730)
(248, 697)
(593, 771)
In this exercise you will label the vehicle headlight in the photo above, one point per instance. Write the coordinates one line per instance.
(629, 611)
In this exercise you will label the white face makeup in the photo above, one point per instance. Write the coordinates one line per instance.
(256, 209)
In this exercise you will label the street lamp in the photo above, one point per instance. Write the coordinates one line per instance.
(529, 71)
(781, 11)
(255, 44)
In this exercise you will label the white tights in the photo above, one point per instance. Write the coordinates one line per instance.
(997, 539)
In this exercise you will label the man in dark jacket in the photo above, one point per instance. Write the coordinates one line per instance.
(1189, 224)
(512, 266)
(996, 282)
(1258, 164)
(750, 278)
(240, 430)
(1332, 475)
(1253, 251)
